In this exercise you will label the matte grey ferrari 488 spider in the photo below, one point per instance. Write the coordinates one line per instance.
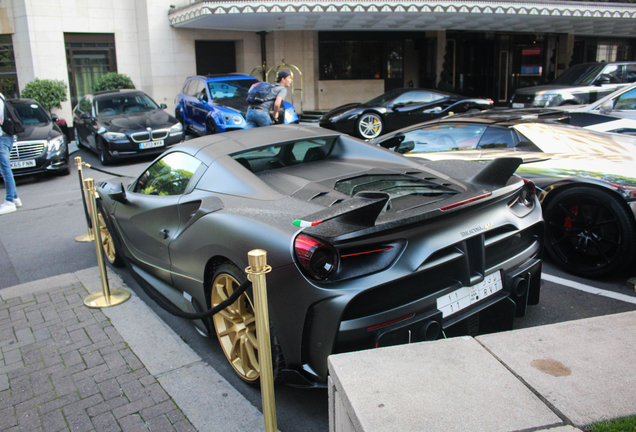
(367, 248)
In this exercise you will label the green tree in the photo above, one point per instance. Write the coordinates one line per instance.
(50, 93)
(113, 81)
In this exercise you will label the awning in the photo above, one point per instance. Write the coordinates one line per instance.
(586, 18)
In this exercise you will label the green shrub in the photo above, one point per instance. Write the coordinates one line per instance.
(50, 93)
(113, 81)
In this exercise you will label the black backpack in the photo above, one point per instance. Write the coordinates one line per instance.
(12, 124)
(258, 93)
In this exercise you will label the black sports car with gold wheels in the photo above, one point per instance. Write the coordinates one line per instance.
(367, 248)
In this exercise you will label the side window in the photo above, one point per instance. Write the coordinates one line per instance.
(626, 101)
(442, 138)
(496, 138)
(630, 73)
(170, 175)
(613, 72)
(85, 104)
(186, 87)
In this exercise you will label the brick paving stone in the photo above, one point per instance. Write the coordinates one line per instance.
(87, 387)
(107, 406)
(184, 426)
(53, 421)
(133, 423)
(110, 388)
(66, 368)
(105, 423)
(157, 410)
(133, 407)
(28, 420)
(160, 424)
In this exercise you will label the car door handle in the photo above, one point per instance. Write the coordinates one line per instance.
(164, 233)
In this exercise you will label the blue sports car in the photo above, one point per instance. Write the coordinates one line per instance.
(217, 103)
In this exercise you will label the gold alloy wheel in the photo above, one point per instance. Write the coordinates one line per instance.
(108, 245)
(236, 328)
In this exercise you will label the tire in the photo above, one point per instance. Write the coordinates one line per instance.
(235, 327)
(104, 157)
(109, 242)
(589, 232)
(210, 127)
(369, 126)
(77, 138)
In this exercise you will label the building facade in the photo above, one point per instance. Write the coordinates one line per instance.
(338, 51)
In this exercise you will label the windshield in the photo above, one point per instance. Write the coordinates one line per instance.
(31, 113)
(230, 88)
(123, 104)
(385, 98)
(580, 75)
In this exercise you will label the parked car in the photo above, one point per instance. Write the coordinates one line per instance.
(581, 84)
(367, 248)
(396, 109)
(586, 179)
(621, 103)
(217, 103)
(119, 124)
(42, 147)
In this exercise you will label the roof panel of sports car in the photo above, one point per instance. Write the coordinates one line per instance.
(211, 147)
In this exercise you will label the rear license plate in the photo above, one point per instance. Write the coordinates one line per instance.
(23, 164)
(151, 144)
(517, 105)
(464, 297)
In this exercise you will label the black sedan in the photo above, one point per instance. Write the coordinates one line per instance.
(587, 179)
(367, 248)
(119, 124)
(42, 147)
(397, 109)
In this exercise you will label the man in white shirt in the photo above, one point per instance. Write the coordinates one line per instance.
(6, 142)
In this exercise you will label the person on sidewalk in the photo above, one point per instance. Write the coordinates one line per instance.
(6, 143)
(267, 113)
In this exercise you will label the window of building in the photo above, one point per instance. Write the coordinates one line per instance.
(360, 56)
(8, 75)
(89, 56)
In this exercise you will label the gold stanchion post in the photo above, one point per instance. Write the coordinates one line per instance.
(256, 272)
(88, 237)
(107, 297)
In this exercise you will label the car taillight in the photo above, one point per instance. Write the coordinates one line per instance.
(319, 259)
(528, 193)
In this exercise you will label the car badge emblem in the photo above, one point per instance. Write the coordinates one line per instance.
(149, 129)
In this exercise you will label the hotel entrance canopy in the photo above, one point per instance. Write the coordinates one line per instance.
(569, 17)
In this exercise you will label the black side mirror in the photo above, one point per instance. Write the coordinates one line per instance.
(399, 105)
(54, 117)
(602, 80)
(392, 142)
(86, 116)
(118, 193)
(163, 106)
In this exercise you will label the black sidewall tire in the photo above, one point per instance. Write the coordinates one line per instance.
(210, 127)
(626, 252)
(104, 157)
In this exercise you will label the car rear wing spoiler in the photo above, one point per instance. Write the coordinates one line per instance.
(358, 215)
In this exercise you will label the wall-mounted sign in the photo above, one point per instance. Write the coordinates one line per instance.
(531, 70)
(531, 51)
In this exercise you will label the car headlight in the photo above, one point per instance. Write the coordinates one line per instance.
(237, 119)
(543, 100)
(55, 143)
(289, 115)
(176, 129)
(114, 136)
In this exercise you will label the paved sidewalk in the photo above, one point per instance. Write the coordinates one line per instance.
(64, 366)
